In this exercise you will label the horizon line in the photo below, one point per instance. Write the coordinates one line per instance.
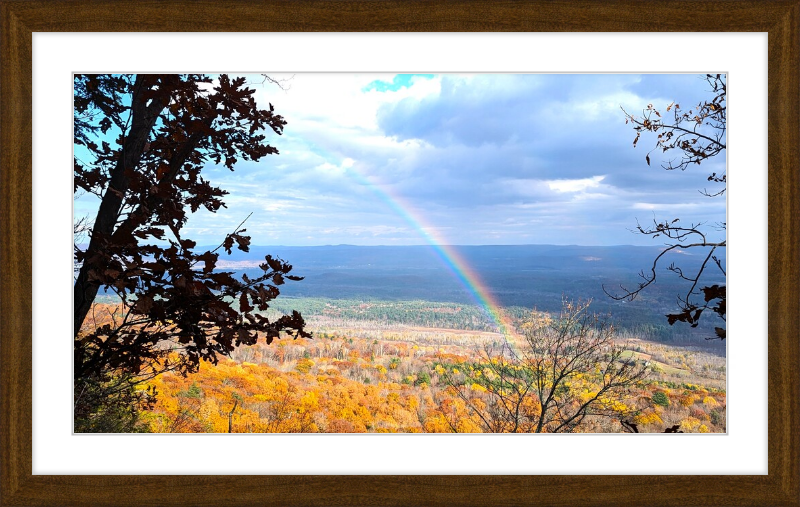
(428, 245)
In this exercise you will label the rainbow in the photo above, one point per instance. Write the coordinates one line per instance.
(449, 256)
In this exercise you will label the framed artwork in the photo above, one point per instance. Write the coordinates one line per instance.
(285, 481)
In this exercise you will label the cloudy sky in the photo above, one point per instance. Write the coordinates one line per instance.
(384, 159)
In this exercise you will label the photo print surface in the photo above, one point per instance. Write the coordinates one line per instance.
(414, 253)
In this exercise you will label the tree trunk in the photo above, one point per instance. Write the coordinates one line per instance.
(143, 119)
(230, 416)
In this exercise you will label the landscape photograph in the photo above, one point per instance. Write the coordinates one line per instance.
(399, 253)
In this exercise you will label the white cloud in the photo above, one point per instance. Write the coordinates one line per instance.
(337, 99)
(577, 185)
(665, 206)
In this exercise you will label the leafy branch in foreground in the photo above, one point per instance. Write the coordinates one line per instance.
(142, 143)
(696, 135)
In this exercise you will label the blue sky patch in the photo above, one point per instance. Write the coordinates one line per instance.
(399, 81)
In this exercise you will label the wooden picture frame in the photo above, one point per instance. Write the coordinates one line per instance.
(781, 19)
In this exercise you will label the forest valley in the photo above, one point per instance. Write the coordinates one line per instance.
(379, 375)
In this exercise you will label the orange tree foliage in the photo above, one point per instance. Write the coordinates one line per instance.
(304, 387)
(274, 401)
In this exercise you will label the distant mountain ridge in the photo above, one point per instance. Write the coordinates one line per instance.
(529, 276)
(516, 275)
(425, 255)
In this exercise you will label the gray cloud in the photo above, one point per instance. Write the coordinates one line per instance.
(482, 159)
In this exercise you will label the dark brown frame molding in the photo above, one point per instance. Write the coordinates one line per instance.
(780, 18)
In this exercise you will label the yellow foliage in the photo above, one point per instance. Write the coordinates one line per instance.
(437, 423)
(648, 418)
(466, 425)
(531, 407)
(477, 387)
(304, 365)
(331, 395)
(309, 400)
(690, 424)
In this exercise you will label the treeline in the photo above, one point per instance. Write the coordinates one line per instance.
(630, 322)
(415, 313)
(325, 312)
